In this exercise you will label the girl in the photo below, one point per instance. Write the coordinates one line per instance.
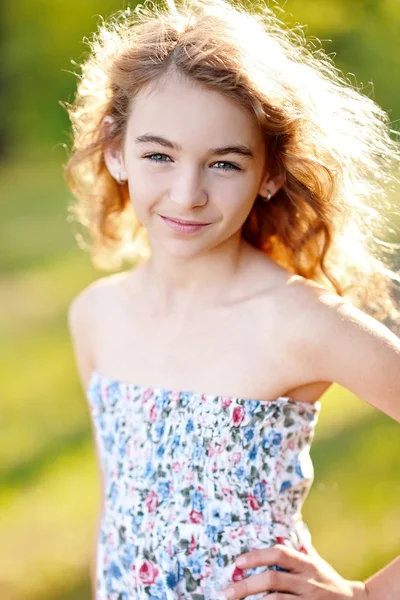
(236, 170)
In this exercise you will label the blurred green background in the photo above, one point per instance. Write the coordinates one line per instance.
(48, 494)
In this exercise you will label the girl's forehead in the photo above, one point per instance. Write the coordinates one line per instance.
(194, 107)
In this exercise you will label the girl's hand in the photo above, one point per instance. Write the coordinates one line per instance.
(309, 577)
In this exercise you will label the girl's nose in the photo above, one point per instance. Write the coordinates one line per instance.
(188, 190)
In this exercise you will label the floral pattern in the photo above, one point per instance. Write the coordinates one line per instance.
(191, 482)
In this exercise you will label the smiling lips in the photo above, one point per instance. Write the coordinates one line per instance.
(183, 226)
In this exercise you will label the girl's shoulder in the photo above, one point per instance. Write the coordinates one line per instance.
(99, 291)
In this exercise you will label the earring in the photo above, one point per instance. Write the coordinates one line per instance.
(119, 178)
(268, 197)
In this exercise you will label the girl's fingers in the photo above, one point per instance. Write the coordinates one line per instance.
(268, 581)
(283, 556)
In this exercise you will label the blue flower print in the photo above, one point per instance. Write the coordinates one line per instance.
(176, 441)
(240, 473)
(226, 519)
(195, 562)
(189, 425)
(249, 433)
(163, 488)
(157, 590)
(211, 533)
(108, 441)
(159, 427)
(260, 491)
(272, 441)
(253, 452)
(285, 486)
(160, 450)
(198, 452)
(113, 494)
(185, 398)
(127, 557)
(220, 560)
(163, 400)
(149, 470)
(113, 572)
(171, 580)
(197, 500)
(251, 406)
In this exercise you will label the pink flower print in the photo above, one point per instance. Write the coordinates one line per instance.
(236, 533)
(283, 541)
(129, 450)
(175, 396)
(111, 541)
(227, 492)
(192, 545)
(238, 574)
(221, 448)
(176, 466)
(291, 445)
(278, 467)
(195, 517)
(226, 401)
(213, 467)
(269, 490)
(151, 501)
(213, 551)
(134, 578)
(237, 457)
(210, 450)
(279, 515)
(148, 572)
(153, 414)
(106, 559)
(147, 394)
(190, 476)
(253, 502)
(238, 415)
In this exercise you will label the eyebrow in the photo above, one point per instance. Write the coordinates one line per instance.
(240, 149)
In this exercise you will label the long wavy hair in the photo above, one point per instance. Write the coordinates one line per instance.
(331, 143)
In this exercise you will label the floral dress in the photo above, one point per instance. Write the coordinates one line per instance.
(191, 482)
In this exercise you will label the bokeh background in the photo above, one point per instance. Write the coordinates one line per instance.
(49, 493)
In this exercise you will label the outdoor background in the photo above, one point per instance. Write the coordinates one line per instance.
(48, 494)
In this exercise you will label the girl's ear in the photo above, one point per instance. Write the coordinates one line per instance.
(113, 156)
(270, 185)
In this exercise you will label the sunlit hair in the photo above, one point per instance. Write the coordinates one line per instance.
(329, 141)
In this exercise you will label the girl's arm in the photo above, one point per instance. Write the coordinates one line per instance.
(343, 344)
(79, 314)
(385, 585)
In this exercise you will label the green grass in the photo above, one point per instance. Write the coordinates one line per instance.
(48, 477)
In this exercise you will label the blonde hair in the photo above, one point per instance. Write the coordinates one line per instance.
(329, 142)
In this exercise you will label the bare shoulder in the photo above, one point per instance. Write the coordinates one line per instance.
(341, 343)
(85, 314)
(88, 302)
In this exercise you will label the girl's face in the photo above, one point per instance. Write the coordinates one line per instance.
(191, 154)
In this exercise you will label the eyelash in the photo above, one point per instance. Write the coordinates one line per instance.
(231, 168)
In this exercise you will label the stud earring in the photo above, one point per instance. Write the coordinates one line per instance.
(268, 197)
(119, 178)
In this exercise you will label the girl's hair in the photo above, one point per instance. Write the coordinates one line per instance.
(329, 141)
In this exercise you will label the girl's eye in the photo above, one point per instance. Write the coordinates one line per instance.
(150, 156)
(230, 167)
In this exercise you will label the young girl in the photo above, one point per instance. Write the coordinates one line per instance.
(244, 179)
